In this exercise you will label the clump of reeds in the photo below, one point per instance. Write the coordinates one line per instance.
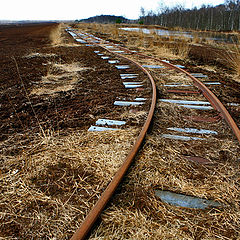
(55, 35)
(232, 56)
(182, 47)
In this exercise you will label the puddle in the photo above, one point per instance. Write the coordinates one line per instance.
(193, 130)
(182, 200)
(113, 61)
(199, 75)
(109, 122)
(197, 107)
(185, 102)
(122, 66)
(128, 76)
(153, 66)
(187, 34)
(127, 103)
(101, 129)
(179, 137)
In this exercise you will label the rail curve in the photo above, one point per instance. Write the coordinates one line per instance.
(106, 195)
(94, 213)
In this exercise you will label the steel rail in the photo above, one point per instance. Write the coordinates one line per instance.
(94, 213)
(212, 98)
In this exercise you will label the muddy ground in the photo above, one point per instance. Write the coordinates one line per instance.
(22, 90)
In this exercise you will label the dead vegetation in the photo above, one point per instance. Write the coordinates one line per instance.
(56, 180)
(55, 35)
(136, 213)
(59, 78)
(232, 57)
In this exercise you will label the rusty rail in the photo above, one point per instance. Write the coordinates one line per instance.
(86, 226)
(215, 102)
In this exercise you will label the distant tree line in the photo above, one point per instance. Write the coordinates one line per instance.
(105, 19)
(225, 17)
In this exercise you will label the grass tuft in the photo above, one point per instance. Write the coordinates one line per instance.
(55, 35)
(233, 57)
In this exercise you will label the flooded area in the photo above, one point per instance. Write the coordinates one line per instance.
(208, 36)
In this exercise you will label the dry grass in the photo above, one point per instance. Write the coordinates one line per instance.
(136, 213)
(40, 55)
(233, 57)
(48, 188)
(51, 184)
(60, 77)
(55, 35)
(146, 42)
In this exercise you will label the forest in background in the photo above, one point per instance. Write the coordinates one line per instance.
(224, 17)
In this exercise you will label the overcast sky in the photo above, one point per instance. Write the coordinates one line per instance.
(79, 9)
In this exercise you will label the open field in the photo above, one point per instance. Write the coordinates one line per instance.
(52, 170)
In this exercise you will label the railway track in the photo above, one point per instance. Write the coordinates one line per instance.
(192, 99)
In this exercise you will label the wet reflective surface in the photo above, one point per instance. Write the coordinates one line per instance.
(182, 200)
(109, 122)
(179, 137)
(202, 35)
(192, 130)
(127, 103)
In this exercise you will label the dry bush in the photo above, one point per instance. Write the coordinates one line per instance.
(55, 35)
(182, 48)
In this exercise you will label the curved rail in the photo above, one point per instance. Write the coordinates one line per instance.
(215, 102)
(85, 227)
(107, 194)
